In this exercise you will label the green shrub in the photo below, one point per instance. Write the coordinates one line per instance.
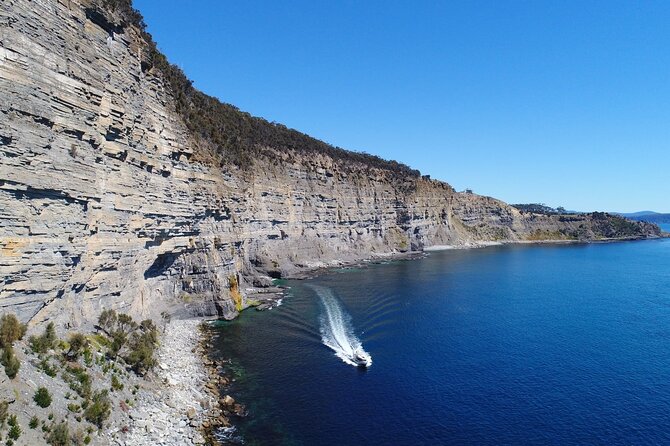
(107, 321)
(136, 343)
(48, 340)
(79, 380)
(102, 341)
(34, 422)
(126, 323)
(88, 357)
(78, 343)
(59, 435)
(4, 411)
(11, 330)
(14, 429)
(37, 344)
(50, 334)
(78, 438)
(116, 384)
(119, 339)
(10, 362)
(42, 397)
(98, 409)
(47, 368)
(142, 347)
(82, 386)
(72, 407)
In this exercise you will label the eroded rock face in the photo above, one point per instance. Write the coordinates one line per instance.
(101, 207)
(104, 206)
(486, 218)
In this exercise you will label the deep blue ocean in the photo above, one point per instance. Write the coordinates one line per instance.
(510, 345)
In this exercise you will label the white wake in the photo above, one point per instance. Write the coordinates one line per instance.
(336, 329)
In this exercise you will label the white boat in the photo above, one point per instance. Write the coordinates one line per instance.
(361, 358)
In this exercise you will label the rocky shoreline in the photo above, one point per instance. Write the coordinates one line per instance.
(173, 413)
(185, 406)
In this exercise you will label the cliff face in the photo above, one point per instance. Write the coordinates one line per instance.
(103, 204)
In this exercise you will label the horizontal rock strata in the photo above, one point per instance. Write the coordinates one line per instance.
(104, 204)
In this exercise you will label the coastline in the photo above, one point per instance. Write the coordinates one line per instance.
(309, 271)
(172, 413)
(186, 406)
(183, 404)
(283, 393)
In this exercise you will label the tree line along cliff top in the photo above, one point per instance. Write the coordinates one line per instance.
(225, 134)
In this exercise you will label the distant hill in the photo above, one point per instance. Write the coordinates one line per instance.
(648, 216)
(541, 208)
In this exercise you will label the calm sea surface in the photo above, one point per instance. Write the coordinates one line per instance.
(503, 345)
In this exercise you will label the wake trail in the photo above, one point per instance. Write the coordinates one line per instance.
(337, 333)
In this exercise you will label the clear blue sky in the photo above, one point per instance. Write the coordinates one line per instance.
(561, 102)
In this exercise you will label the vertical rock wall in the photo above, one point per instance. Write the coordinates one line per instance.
(103, 205)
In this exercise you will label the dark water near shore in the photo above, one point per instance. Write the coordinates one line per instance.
(502, 345)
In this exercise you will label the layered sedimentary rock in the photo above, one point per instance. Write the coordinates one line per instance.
(104, 205)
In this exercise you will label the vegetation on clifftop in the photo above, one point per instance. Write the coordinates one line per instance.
(614, 226)
(224, 133)
(539, 208)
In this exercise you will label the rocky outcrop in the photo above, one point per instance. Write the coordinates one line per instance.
(486, 218)
(174, 412)
(105, 203)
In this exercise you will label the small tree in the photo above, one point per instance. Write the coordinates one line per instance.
(78, 344)
(99, 408)
(79, 380)
(126, 323)
(44, 342)
(10, 361)
(11, 330)
(119, 339)
(59, 435)
(116, 384)
(42, 397)
(50, 335)
(107, 320)
(37, 344)
(14, 428)
(142, 347)
(4, 411)
(117, 327)
(141, 355)
(148, 326)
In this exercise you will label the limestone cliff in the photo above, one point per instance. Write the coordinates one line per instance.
(107, 199)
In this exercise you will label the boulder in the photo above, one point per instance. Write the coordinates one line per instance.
(227, 401)
(191, 413)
